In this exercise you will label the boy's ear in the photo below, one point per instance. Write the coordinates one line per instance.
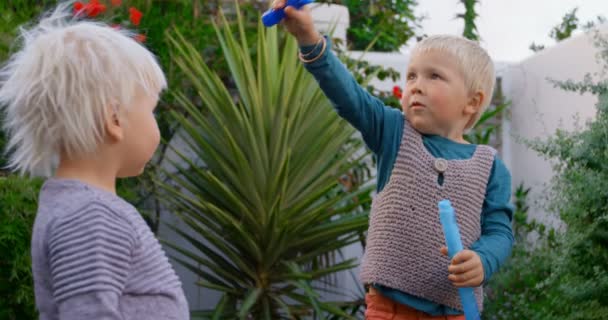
(114, 125)
(474, 104)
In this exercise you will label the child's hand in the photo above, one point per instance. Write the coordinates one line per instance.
(466, 269)
(299, 23)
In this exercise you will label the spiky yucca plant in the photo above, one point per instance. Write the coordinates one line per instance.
(266, 211)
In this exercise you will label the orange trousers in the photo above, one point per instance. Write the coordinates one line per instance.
(383, 308)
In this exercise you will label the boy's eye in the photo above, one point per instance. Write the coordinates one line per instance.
(435, 76)
(411, 76)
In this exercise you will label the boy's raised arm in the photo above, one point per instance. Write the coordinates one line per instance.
(352, 102)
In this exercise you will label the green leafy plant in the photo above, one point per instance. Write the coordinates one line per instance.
(580, 279)
(566, 276)
(3, 160)
(517, 291)
(264, 202)
(17, 212)
(469, 16)
(391, 22)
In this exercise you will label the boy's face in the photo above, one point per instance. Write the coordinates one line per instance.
(141, 135)
(435, 98)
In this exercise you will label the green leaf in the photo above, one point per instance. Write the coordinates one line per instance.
(250, 299)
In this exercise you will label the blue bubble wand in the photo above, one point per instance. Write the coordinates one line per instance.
(454, 244)
(272, 16)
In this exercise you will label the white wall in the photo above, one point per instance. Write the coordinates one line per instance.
(331, 18)
(538, 109)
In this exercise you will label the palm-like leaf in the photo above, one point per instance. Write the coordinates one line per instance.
(483, 130)
(266, 207)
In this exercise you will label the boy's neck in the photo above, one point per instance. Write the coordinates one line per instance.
(455, 135)
(89, 171)
(458, 138)
(455, 132)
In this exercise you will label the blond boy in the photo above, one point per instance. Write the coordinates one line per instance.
(78, 100)
(422, 159)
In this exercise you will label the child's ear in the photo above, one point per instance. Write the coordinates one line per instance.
(114, 125)
(474, 104)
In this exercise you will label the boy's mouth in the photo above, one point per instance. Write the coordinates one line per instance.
(417, 104)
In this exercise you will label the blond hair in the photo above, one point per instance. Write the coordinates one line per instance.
(56, 90)
(475, 63)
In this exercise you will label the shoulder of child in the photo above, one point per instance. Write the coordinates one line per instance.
(500, 168)
(90, 250)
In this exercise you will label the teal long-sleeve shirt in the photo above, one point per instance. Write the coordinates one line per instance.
(381, 128)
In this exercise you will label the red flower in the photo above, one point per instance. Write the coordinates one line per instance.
(135, 16)
(397, 93)
(116, 3)
(91, 9)
(140, 38)
(78, 6)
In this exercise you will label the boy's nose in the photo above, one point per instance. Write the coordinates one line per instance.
(415, 88)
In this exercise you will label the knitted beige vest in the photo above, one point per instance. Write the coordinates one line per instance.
(405, 235)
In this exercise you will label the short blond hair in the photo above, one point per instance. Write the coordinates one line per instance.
(56, 90)
(475, 63)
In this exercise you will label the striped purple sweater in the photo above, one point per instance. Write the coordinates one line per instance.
(94, 257)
